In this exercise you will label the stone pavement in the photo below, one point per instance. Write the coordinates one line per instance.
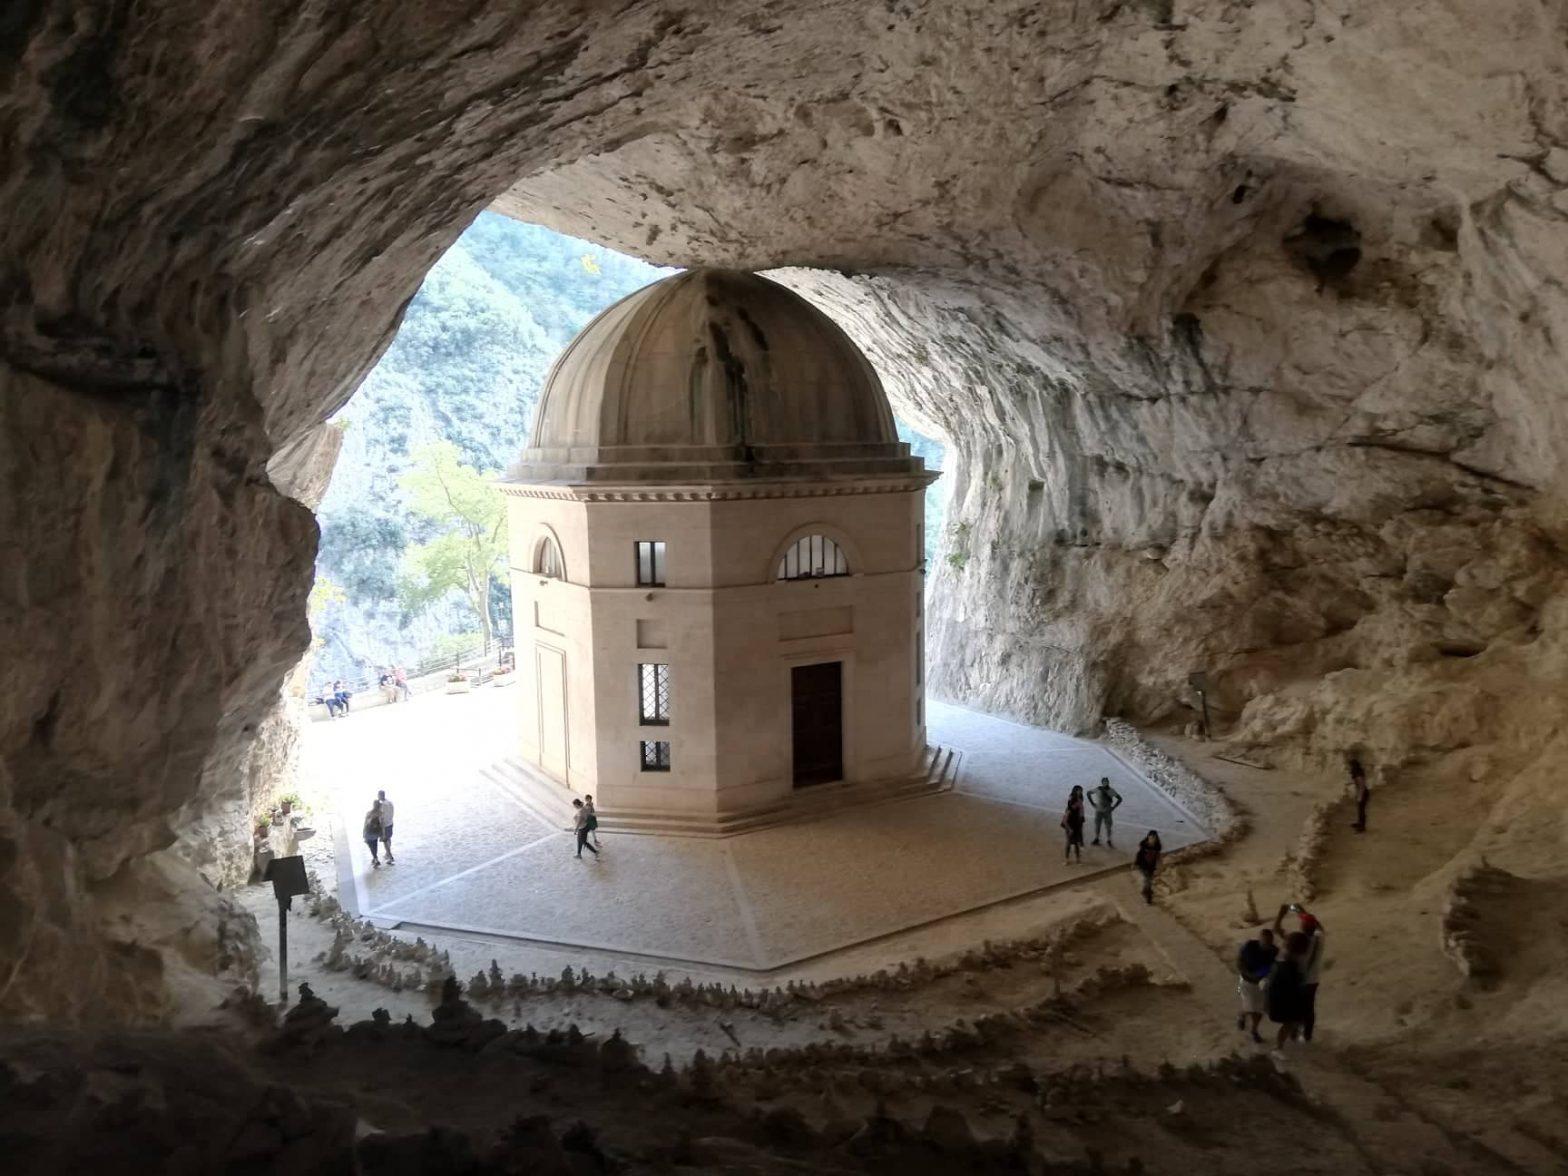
(472, 859)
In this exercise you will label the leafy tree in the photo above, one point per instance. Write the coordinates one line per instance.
(360, 549)
(450, 645)
(324, 593)
(469, 520)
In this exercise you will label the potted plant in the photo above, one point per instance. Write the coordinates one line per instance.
(457, 682)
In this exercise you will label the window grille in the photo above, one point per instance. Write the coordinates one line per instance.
(650, 563)
(547, 560)
(653, 693)
(655, 756)
(813, 558)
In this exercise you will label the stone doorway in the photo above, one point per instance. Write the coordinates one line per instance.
(817, 712)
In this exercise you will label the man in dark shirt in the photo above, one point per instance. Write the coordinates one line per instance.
(1362, 793)
(1253, 962)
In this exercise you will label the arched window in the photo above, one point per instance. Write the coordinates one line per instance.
(547, 559)
(813, 558)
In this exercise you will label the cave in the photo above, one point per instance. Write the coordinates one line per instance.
(1242, 323)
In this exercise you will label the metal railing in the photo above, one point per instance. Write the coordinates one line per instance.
(498, 652)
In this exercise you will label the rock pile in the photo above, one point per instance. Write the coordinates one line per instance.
(1202, 798)
(1477, 901)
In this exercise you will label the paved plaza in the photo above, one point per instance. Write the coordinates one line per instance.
(472, 858)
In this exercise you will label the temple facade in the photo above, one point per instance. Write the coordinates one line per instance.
(716, 548)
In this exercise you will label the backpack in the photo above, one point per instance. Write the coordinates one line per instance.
(1284, 991)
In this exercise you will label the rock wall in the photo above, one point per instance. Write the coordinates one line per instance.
(214, 826)
(1241, 319)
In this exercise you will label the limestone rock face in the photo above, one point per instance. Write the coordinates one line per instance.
(214, 826)
(1242, 321)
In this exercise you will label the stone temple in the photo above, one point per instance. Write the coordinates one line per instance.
(717, 563)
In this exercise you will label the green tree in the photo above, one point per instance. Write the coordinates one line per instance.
(324, 593)
(469, 521)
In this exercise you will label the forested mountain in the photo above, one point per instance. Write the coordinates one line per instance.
(466, 367)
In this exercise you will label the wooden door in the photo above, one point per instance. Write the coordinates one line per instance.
(817, 711)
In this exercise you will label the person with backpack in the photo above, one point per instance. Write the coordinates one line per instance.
(1146, 861)
(1104, 800)
(1072, 822)
(1254, 962)
(593, 821)
(1287, 1000)
(580, 826)
(371, 832)
(1312, 962)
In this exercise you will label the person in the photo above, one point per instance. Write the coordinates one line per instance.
(372, 833)
(1104, 800)
(333, 705)
(1312, 962)
(1253, 963)
(387, 813)
(400, 678)
(1146, 861)
(593, 820)
(1285, 996)
(388, 690)
(1072, 821)
(580, 826)
(1358, 784)
(341, 695)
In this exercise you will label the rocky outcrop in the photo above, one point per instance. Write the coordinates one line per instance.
(1241, 321)
(214, 827)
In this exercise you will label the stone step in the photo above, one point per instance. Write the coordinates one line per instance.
(551, 802)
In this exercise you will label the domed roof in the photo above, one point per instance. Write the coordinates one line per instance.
(712, 374)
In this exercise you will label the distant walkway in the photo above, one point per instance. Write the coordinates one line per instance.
(472, 858)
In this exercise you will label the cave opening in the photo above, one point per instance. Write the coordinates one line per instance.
(464, 371)
(1247, 322)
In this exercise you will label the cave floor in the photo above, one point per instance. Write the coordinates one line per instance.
(473, 860)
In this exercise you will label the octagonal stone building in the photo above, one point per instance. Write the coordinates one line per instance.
(717, 565)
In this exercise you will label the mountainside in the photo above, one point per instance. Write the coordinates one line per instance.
(466, 367)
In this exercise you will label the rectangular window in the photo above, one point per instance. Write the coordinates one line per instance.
(650, 563)
(653, 694)
(655, 756)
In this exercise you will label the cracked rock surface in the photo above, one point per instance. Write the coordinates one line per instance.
(1242, 322)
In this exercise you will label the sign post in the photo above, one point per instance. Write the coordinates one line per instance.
(287, 875)
(1199, 681)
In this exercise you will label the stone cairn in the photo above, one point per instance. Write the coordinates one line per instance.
(886, 1069)
(837, 1071)
(367, 953)
(307, 1024)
